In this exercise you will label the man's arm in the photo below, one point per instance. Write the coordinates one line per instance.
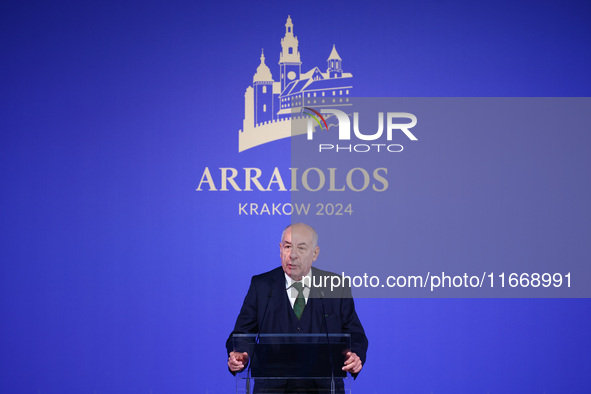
(246, 323)
(350, 324)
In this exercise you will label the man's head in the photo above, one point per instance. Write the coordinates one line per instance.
(299, 249)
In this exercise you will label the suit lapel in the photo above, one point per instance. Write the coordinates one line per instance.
(280, 319)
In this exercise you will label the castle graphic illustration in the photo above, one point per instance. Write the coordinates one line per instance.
(273, 109)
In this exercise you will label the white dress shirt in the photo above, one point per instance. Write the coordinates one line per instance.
(292, 293)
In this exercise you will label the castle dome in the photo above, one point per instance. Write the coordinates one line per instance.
(263, 73)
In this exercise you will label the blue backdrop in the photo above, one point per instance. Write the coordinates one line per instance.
(118, 277)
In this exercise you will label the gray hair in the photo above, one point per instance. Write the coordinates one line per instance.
(314, 233)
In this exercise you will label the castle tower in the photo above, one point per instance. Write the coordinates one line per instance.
(262, 83)
(335, 64)
(290, 65)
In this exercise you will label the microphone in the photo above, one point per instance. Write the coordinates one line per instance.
(332, 388)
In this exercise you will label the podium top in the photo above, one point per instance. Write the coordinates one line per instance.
(294, 336)
(294, 356)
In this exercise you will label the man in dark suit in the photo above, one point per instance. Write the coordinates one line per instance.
(287, 300)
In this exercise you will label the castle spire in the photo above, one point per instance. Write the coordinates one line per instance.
(289, 58)
(289, 45)
(334, 55)
(289, 26)
(262, 55)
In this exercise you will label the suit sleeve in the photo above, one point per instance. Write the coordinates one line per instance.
(247, 322)
(352, 325)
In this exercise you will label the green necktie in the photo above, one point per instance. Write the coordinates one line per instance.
(300, 302)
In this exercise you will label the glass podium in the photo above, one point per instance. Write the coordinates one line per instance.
(293, 363)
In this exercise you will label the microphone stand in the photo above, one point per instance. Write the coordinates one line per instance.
(256, 341)
(332, 388)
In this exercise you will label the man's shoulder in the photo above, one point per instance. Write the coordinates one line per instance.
(269, 275)
(319, 272)
(331, 285)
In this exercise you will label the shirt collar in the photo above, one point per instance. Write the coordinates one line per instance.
(306, 282)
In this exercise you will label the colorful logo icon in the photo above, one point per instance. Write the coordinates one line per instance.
(315, 115)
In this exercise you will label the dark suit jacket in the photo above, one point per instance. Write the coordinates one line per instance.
(267, 291)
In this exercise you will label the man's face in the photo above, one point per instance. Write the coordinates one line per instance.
(298, 251)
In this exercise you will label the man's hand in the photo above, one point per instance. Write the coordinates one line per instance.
(352, 363)
(237, 361)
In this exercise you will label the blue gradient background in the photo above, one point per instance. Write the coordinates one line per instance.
(117, 277)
